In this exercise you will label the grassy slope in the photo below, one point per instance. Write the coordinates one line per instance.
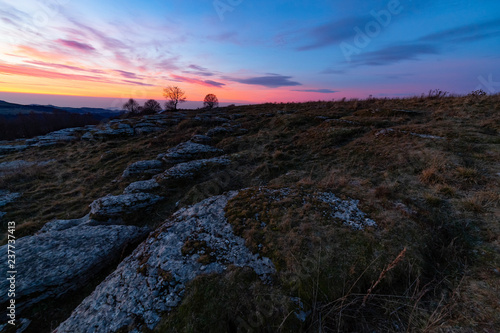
(439, 198)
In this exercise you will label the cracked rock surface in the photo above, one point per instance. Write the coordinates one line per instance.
(56, 262)
(188, 151)
(117, 206)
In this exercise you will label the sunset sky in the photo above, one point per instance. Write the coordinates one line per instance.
(244, 51)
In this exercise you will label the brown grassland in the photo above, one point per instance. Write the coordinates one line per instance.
(425, 169)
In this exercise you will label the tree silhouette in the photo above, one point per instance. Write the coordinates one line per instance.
(174, 95)
(211, 101)
(151, 107)
(131, 106)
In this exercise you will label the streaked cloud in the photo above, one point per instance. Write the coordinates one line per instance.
(269, 81)
(76, 45)
(321, 91)
(465, 33)
(207, 83)
(331, 33)
(394, 54)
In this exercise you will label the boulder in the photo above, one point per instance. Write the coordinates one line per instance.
(151, 167)
(188, 151)
(119, 206)
(151, 281)
(50, 264)
(190, 170)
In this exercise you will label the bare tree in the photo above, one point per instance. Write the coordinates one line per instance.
(174, 96)
(211, 101)
(131, 106)
(151, 107)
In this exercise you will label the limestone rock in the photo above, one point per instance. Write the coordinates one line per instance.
(88, 136)
(151, 167)
(152, 280)
(146, 128)
(59, 225)
(188, 151)
(114, 129)
(203, 139)
(189, 170)
(219, 131)
(7, 149)
(53, 263)
(118, 206)
(142, 186)
(7, 197)
(17, 165)
(56, 137)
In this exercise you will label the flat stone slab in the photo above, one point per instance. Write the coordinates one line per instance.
(52, 263)
(7, 197)
(190, 170)
(118, 206)
(17, 165)
(142, 186)
(150, 167)
(7, 149)
(188, 151)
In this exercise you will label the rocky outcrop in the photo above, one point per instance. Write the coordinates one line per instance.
(219, 131)
(7, 197)
(151, 167)
(53, 138)
(17, 165)
(146, 128)
(7, 149)
(389, 131)
(63, 259)
(114, 130)
(327, 204)
(196, 240)
(203, 139)
(119, 206)
(190, 170)
(188, 151)
(142, 186)
(346, 211)
(59, 225)
(226, 129)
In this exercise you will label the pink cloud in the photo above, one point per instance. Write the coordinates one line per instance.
(207, 83)
(76, 45)
(62, 66)
(37, 72)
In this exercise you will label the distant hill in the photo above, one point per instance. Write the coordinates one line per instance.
(7, 108)
(26, 121)
(11, 109)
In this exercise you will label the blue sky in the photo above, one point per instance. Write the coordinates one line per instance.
(246, 51)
